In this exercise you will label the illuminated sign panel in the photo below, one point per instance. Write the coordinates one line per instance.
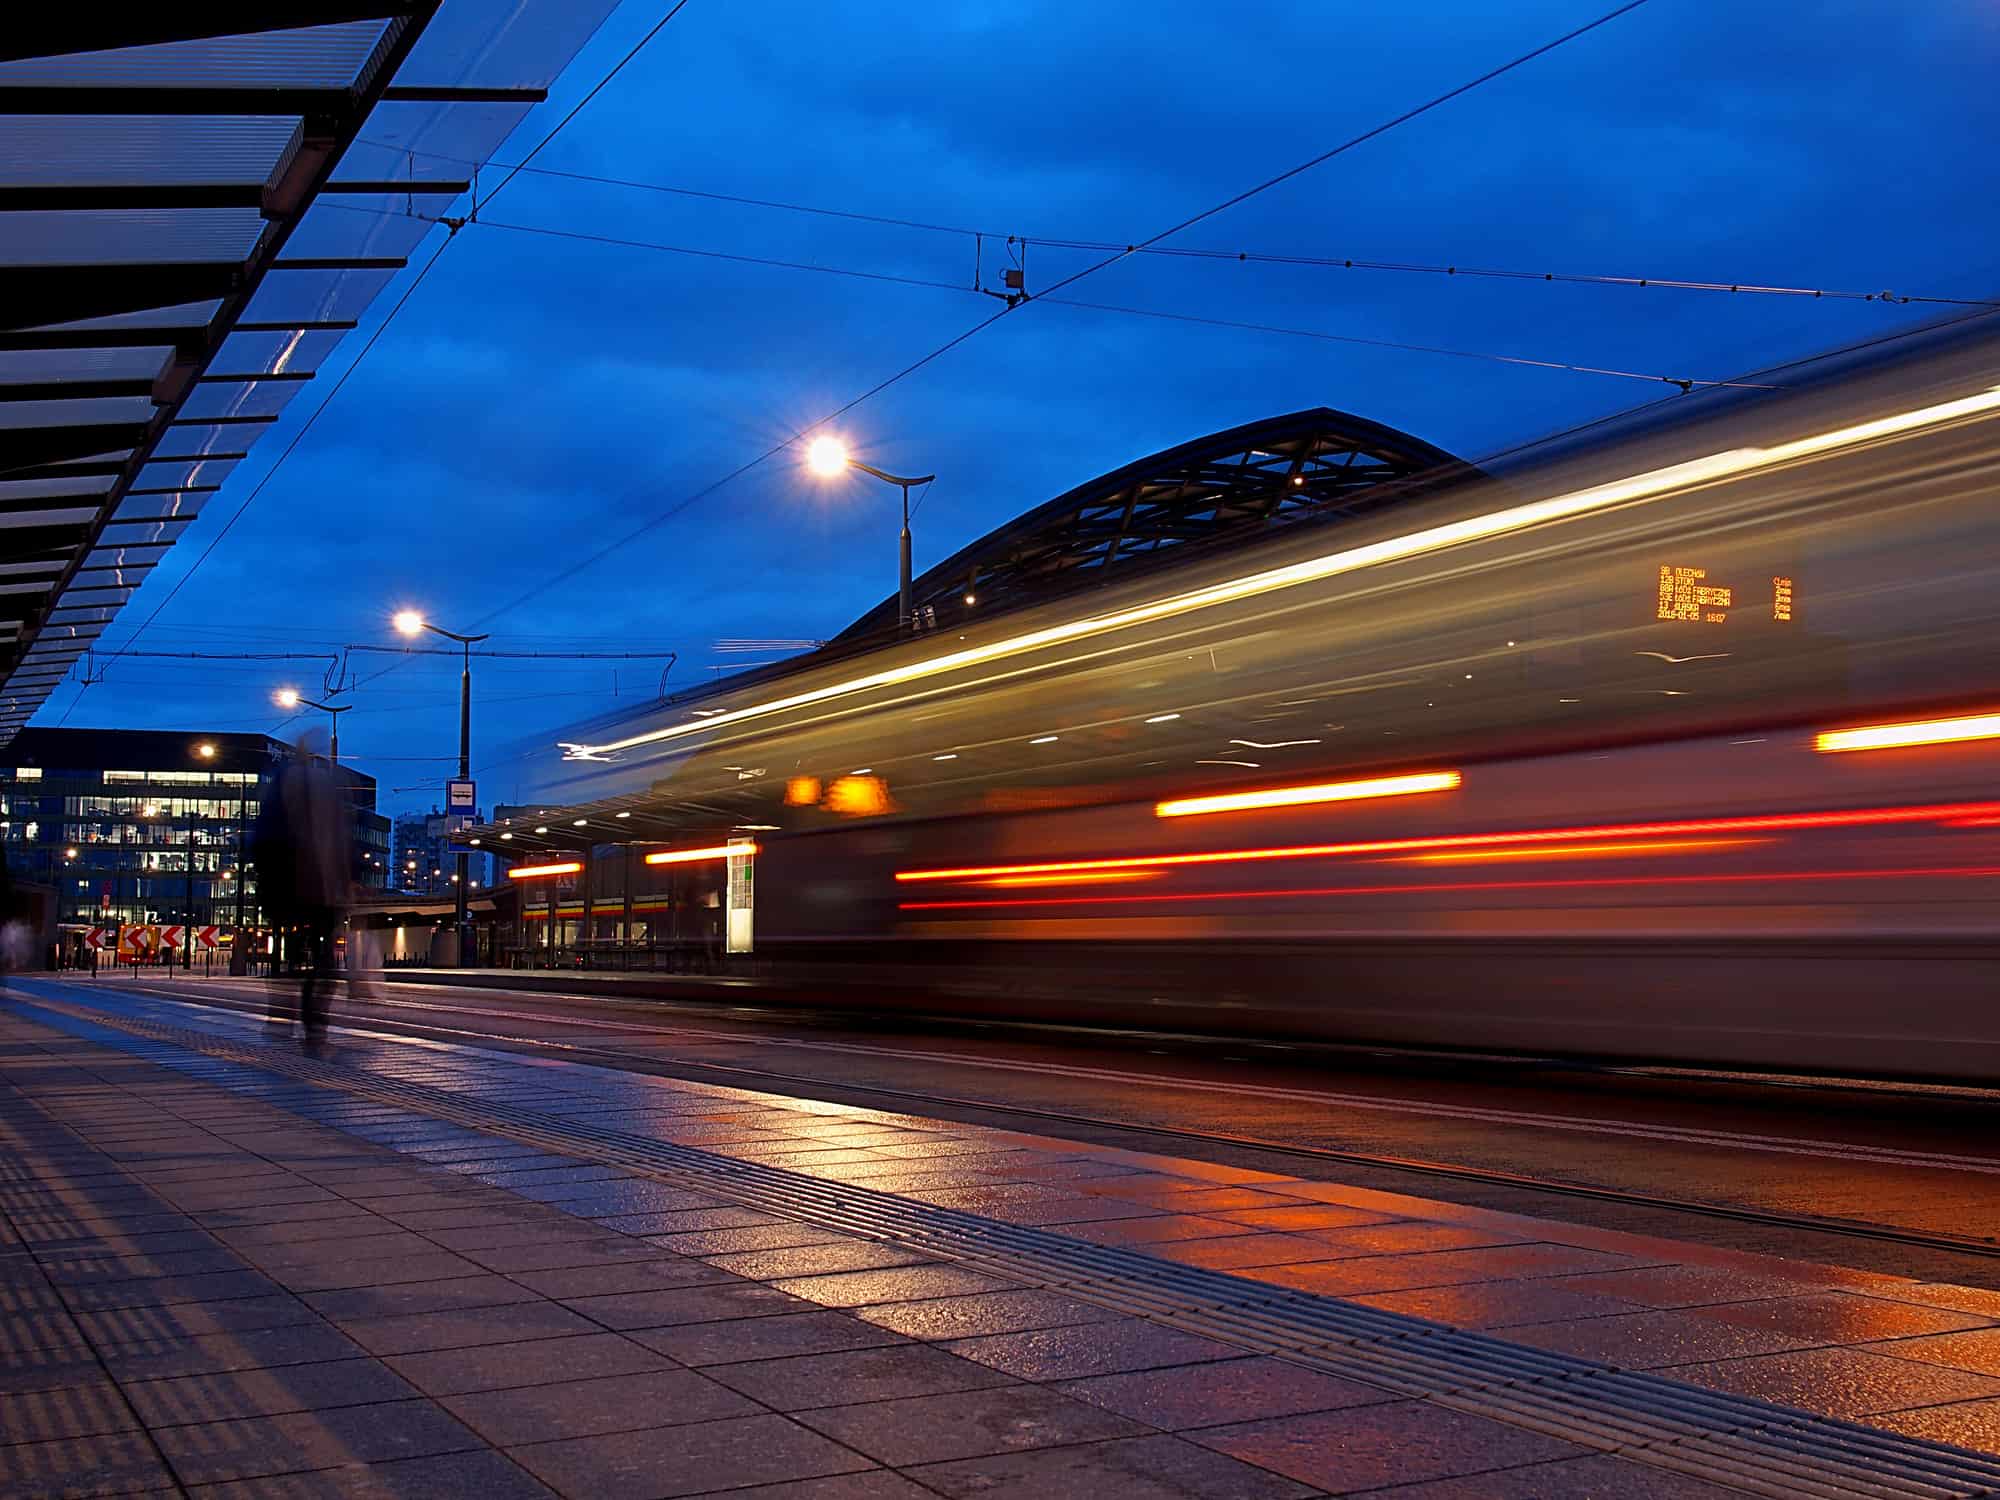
(1685, 594)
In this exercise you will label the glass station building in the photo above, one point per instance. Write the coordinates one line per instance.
(136, 826)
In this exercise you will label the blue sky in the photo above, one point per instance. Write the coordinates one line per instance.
(540, 397)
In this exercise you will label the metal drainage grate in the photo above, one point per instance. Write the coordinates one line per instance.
(1752, 1445)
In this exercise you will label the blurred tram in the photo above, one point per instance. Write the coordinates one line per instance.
(1674, 742)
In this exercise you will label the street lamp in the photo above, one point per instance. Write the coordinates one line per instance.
(290, 698)
(828, 457)
(408, 622)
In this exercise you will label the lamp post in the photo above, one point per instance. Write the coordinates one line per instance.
(410, 623)
(290, 698)
(827, 457)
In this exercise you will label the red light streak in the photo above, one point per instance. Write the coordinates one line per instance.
(538, 872)
(1775, 877)
(1765, 823)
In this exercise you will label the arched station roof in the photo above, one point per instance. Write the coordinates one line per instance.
(1227, 488)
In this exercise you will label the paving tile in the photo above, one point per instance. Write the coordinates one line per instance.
(188, 1319)
(326, 1231)
(626, 1195)
(475, 1475)
(508, 1259)
(436, 1265)
(817, 1260)
(76, 1411)
(1303, 1216)
(1249, 1249)
(737, 1339)
(257, 1393)
(1688, 1286)
(687, 1460)
(691, 1304)
(1093, 1349)
(1841, 1382)
(872, 1484)
(1235, 1390)
(355, 1303)
(493, 1367)
(242, 1349)
(984, 1313)
(120, 1463)
(1655, 1339)
(966, 1424)
(248, 1447)
(898, 1284)
(1973, 1299)
(1414, 1237)
(549, 1410)
(45, 1328)
(621, 1276)
(754, 1237)
(883, 1374)
(1156, 1228)
(157, 1291)
(1370, 1446)
(1966, 1424)
(78, 1269)
(387, 1243)
(1977, 1351)
(1390, 1273)
(1595, 1478)
(1841, 1317)
(416, 1333)
(682, 1221)
(1498, 1304)
(1149, 1468)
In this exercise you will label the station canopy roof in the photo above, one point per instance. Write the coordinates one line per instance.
(197, 200)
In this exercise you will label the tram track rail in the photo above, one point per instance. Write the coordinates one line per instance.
(1104, 1129)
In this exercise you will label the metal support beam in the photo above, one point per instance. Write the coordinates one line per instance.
(68, 197)
(53, 30)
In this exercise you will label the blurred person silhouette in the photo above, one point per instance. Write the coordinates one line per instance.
(303, 848)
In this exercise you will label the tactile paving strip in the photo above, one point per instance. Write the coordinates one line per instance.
(1752, 1445)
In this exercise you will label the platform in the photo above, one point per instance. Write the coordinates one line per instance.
(238, 1267)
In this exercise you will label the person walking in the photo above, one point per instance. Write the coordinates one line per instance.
(303, 848)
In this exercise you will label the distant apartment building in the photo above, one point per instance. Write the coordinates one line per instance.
(425, 861)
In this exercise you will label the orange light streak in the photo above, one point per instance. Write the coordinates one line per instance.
(1094, 877)
(1903, 736)
(1306, 796)
(692, 856)
(1986, 872)
(1766, 823)
(1581, 851)
(537, 872)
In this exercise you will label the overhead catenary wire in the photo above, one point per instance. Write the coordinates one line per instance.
(1685, 383)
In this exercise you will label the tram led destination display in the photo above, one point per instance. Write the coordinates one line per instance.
(1687, 594)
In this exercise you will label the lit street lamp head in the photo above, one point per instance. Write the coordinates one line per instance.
(409, 622)
(205, 750)
(827, 457)
(286, 697)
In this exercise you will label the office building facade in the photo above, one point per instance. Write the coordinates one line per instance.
(141, 826)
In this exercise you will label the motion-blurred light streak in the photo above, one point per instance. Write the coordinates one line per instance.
(1650, 484)
(1904, 736)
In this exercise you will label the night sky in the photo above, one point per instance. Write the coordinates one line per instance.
(541, 397)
